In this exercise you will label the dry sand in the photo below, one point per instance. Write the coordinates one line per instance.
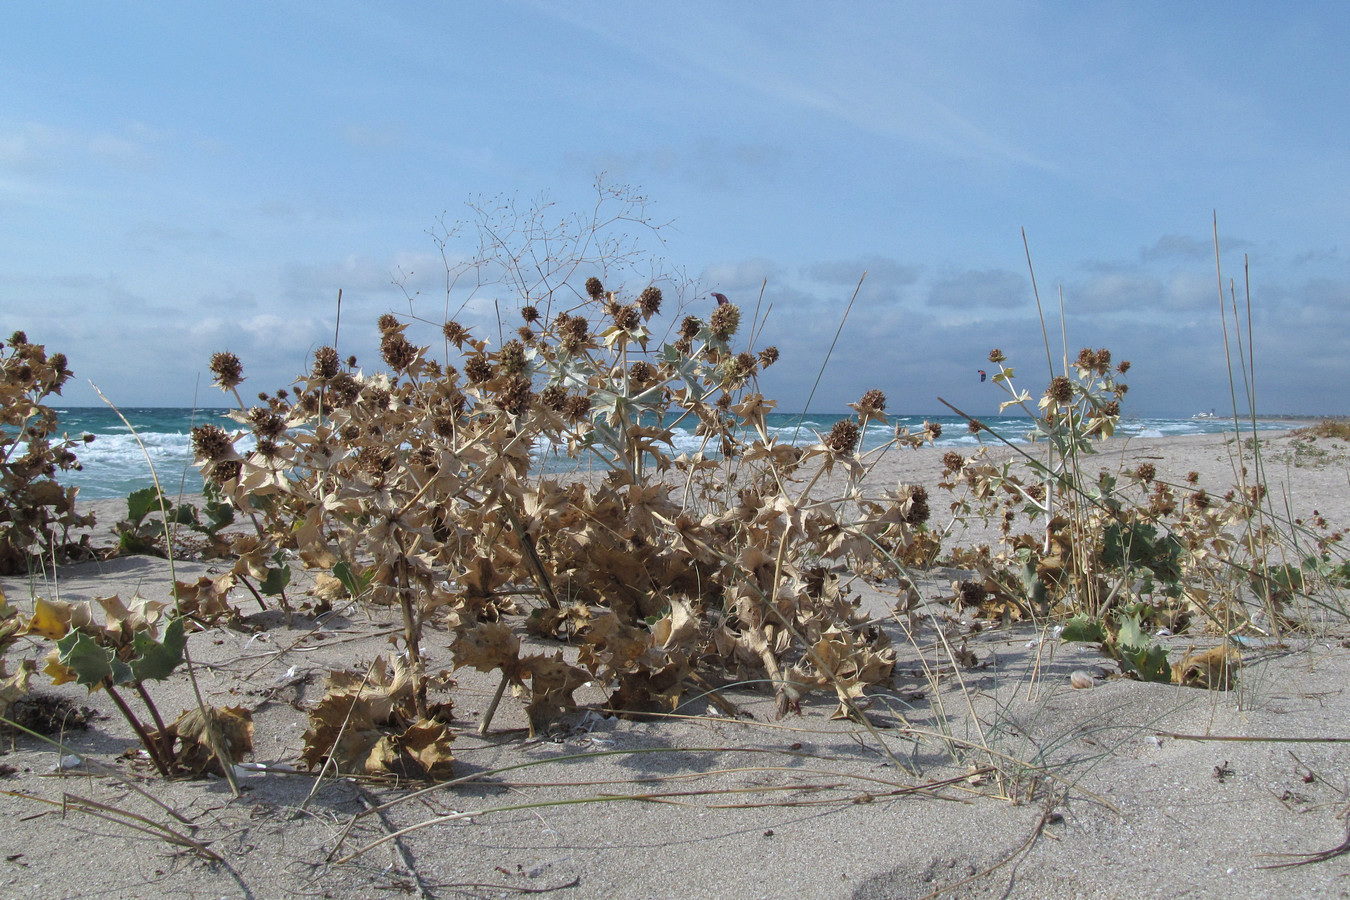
(753, 807)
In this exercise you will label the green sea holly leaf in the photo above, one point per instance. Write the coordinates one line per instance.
(1149, 663)
(1083, 628)
(356, 584)
(92, 664)
(141, 503)
(157, 659)
(276, 581)
(1131, 634)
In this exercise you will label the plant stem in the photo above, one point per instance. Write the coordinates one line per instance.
(152, 747)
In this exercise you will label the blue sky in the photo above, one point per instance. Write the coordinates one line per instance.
(177, 179)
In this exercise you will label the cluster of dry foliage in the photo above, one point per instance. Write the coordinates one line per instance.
(418, 488)
(421, 487)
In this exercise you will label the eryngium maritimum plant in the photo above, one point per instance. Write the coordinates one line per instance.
(421, 481)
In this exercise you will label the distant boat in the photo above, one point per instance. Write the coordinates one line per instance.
(1203, 415)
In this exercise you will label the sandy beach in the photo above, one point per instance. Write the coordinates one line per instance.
(1123, 789)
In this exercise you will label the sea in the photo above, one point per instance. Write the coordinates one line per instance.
(118, 462)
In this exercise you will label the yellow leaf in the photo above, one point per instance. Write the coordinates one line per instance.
(50, 619)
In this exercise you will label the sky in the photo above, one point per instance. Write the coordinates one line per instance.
(182, 178)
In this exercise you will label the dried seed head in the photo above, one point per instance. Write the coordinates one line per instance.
(873, 403)
(594, 288)
(374, 460)
(211, 443)
(725, 320)
(529, 312)
(226, 368)
(933, 430)
(1146, 472)
(1112, 408)
(376, 398)
(351, 432)
(578, 407)
(1123, 367)
(975, 426)
(684, 346)
(972, 593)
(1192, 477)
(58, 361)
(650, 300)
(517, 396)
(18, 339)
(398, 353)
(641, 374)
(511, 359)
(265, 423)
(1060, 390)
(996, 356)
(690, 327)
(387, 323)
(952, 462)
(1200, 499)
(225, 471)
(326, 363)
(554, 397)
(843, 437)
(918, 506)
(626, 317)
(443, 426)
(526, 335)
(768, 356)
(455, 333)
(477, 369)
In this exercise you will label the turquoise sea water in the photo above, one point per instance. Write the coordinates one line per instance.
(115, 465)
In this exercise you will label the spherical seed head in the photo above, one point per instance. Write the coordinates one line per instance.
(1112, 408)
(374, 460)
(227, 369)
(933, 429)
(18, 339)
(1060, 390)
(1200, 499)
(650, 300)
(1103, 360)
(690, 327)
(684, 346)
(973, 593)
(725, 320)
(265, 423)
(1086, 358)
(843, 436)
(595, 289)
(577, 328)
(58, 361)
(517, 396)
(398, 353)
(210, 442)
(1146, 472)
(873, 403)
(526, 335)
(351, 361)
(952, 462)
(1123, 367)
(627, 317)
(477, 369)
(768, 356)
(387, 323)
(326, 363)
(641, 374)
(578, 407)
(455, 333)
(1192, 477)
(225, 471)
(554, 397)
(975, 426)
(511, 359)
(918, 506)
(529, 312)
(996, 356)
